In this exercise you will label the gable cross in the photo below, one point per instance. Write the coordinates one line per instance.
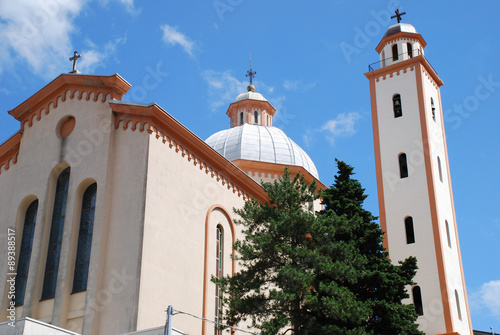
(74, 59)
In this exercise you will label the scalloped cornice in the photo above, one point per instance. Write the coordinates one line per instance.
(9, 151)
(88, 87)
(153, 119)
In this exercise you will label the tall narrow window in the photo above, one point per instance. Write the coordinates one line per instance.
(396, 105)
(433, 108)
(459, 310)
(25, 252)
(395, 52)
(410, 233)
(219, 264)
(84, 239)
(56, 233)
(403, 166)
(255, 117)
(410, 50)
(383, 58)
(440, 171)
(267, 118)
(448, 232)
(417, 300)
(241, 118)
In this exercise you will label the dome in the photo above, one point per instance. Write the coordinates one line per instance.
(400, 27)
(250, 95)
(260, 143)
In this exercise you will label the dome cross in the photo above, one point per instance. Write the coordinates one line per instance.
(251, 73)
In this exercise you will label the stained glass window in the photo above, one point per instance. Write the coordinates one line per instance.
(56, 234)
(85, 239)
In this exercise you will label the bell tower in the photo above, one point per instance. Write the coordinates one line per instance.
(413, 177)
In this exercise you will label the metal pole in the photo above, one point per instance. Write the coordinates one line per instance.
(168, 326)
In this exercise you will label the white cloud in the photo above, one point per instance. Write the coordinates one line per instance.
(223, 88)
(488, 297)
(172, 36)
(296, 85)
(95, 56)
(343, 125)
(38, 33)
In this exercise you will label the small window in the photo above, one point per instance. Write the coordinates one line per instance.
(440, 170)
(241, 118)
(448, 236)
(433, 108)
(410, 233)
(396, 105)
(84, 239)
(25, 252)
(255, 117)
(410, 50)
(383, 58)
(267, 118)
(403, 166)
(56, 234)
(417, 300)
(395, 52)
(459, 310)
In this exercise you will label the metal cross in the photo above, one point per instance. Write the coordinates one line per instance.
(251, 73)
(74, 59)
(398, 15)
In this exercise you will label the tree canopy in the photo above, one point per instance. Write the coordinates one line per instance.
(316, 273)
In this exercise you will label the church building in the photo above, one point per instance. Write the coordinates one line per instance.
(113, 210)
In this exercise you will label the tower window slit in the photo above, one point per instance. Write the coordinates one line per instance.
(410, 50)
(395, 52)
(396, 105)
(417, 300)
(410, 232)
(440, 170)
(433, 109)
(403, 166)
(459, 310)
(448, 236)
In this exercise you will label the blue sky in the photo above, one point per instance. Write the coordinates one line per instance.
(191, 57)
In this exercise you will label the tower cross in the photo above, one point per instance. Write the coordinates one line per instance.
(398, 15)
(251, 73)
(74, 59)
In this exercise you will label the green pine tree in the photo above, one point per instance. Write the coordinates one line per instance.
(378, 285)
(316, 273)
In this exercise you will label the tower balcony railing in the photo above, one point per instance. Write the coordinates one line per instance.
(401, 57)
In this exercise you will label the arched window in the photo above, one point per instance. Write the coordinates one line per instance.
(410, 233)
(448, 236)
(459, 310)
(84, 239)
(56, 233)
(403, 166)
(395, 52)
(433, 108)
(417, 300)
(25, 252)
(396, 105)
(440, 171)
(219, 270)
(410, 50)
(241, 118)
(255, 117)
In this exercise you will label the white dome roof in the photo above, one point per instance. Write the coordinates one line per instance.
(400, 27)
(260, 143)
(250, 95)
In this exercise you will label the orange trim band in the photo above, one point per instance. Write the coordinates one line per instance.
(433, 202)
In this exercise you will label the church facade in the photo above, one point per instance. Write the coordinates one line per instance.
(114, 210)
